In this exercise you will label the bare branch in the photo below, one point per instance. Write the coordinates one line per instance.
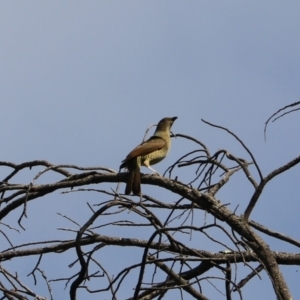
(278, 111)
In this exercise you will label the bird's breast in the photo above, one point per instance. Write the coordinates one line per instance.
(154, 157)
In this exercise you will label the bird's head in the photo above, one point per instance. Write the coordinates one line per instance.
(164, 125)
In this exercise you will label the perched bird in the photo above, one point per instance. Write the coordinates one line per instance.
(146, 154)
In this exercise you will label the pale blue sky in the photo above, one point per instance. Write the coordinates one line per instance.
(80, 81)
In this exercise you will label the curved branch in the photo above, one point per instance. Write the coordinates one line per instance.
(264, 182)
(278, 111)
(241, 142)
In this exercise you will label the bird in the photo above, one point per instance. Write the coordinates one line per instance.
(148, 153)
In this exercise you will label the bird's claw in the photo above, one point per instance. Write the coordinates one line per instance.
(155, 174)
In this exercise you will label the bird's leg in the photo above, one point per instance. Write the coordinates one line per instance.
(146, 164)
(155, 172)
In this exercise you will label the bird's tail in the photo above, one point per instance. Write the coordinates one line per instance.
(136, 184)
(133, 182)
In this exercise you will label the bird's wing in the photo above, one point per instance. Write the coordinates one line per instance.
(153, 144)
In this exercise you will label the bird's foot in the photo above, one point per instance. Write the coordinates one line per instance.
(155, 174)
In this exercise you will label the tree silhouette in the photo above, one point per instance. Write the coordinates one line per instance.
(166, 242)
